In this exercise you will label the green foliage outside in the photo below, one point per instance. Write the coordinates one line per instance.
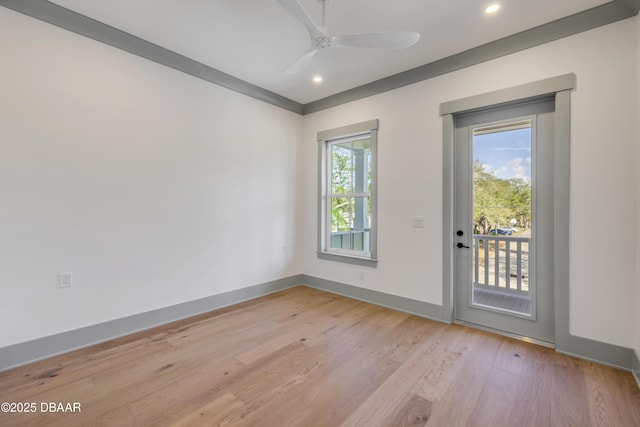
(341, 183)
(498, 201)
(340, 214)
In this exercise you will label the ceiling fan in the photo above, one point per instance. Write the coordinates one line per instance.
(322, 38)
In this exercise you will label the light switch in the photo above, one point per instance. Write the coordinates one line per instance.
(65, 280)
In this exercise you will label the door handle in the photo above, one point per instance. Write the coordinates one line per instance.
(460, 245)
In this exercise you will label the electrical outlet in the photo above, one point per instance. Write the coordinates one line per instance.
(65, 280)
(418, 222)
(361, 275)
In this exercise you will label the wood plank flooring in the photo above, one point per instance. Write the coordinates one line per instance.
(303, 357)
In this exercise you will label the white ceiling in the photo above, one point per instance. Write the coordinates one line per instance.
(256, 40)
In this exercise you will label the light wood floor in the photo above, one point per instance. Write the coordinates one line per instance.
(307, 358)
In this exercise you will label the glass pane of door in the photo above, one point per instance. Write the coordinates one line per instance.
(502, 218)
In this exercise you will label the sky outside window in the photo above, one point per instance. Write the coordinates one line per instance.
(505, 154)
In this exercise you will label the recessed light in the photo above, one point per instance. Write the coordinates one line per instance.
(317, 79)
(492, 8)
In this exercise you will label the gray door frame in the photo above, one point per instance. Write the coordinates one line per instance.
(561, 86)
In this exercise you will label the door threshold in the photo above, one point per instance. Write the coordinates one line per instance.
(505, 334)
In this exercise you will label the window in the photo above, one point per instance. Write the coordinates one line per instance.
(347, 200)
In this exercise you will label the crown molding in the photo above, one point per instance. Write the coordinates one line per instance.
(592, 18)
(96, 30)
(75, 22)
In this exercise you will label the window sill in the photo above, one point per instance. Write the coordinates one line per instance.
(349, 259)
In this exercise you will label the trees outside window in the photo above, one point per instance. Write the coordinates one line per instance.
(499, 202)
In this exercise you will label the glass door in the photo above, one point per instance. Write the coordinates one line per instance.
(504, 221)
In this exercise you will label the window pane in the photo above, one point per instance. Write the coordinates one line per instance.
(351, 167)
(350, 223)
(362, 165)
(341, 168)
(361, 224)
(341, 222)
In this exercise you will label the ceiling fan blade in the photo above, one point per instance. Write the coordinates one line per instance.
(384, 40)
(302, 61)
(295, 8)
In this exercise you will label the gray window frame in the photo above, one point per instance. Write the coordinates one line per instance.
(325, 139)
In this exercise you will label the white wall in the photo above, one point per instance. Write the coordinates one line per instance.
(151, 186)
(156, 188)
(603, 276)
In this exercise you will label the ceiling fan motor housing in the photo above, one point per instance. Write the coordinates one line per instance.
(322, 42)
